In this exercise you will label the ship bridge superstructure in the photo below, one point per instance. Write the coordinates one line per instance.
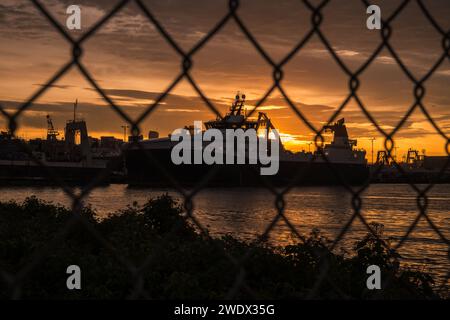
(341, 148)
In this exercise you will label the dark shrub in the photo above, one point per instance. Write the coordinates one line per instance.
(176, 262)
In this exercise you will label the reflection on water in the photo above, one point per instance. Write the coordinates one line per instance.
(246, 212)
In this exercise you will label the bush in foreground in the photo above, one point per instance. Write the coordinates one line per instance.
(176, 262)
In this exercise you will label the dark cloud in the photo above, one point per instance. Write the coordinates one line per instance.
(139, 94)
(58, 86)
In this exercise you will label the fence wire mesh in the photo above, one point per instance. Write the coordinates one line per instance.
(15, 281)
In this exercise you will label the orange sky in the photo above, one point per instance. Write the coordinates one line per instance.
(134, 65)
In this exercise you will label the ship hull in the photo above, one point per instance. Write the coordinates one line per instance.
(152, 168)
(28, 172)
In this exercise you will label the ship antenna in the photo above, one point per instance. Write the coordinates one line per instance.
(75, 110)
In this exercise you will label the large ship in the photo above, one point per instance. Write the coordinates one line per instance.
(149, 162)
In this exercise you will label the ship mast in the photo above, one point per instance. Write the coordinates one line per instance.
(75, 105)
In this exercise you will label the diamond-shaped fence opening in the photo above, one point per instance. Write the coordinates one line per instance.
(187, 60)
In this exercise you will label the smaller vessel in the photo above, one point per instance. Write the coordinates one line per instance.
(71, 159)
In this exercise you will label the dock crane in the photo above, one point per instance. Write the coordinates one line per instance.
(382, 158)
(51, 132)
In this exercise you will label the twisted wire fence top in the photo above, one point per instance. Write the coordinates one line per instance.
(187, 59)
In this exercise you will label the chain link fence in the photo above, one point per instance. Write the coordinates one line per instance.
(15, 281)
